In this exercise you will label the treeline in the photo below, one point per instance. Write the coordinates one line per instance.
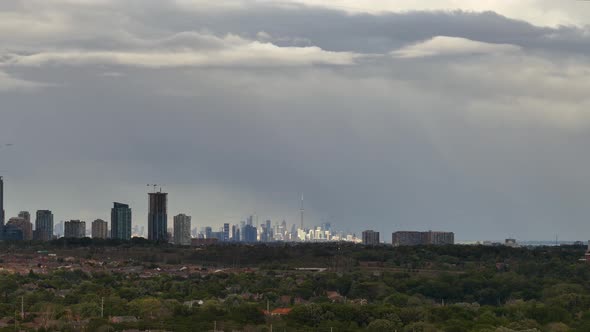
(450, 288)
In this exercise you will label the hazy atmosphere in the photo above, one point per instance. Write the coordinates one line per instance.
(462, 116)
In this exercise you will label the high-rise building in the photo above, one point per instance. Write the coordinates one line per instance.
(266, 232)
(225, 232)
(413, 238)
(25, 226)
(158, 216)
(2, 213)
(11, 232)
(182, 230)
(370, 238)
(242, 231)
(58, 229)
(208, 232)
(138, 231)
(249, 234)
(100, 229)
(440, 238)
(120, 221)
(301, 211)
(43, 225)
(234, 235)
(217, 235)
(269, 232)
(407, 238)
(25, 215)
(75, 229)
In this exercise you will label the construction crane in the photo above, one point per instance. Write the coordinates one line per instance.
(155, 186)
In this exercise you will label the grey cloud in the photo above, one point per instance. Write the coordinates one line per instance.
(11, 83)
(490, 145)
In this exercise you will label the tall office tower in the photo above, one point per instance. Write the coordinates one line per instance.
(158, 216)
(182, 230)
(233, 232)
(100, 229)
(301, 210)
(370, 238)
(75, 229)
(283, 229)
(120, 221)
(262, 234)
(2, 216)
(43, 225)
(249, 234)
(225, 232)
(25, 226)
(242, 230)
(25, 215)
(294, 233)
(268, 230)
(208, 232)
(58, 229)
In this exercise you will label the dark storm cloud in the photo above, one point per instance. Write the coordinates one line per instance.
(240, 110)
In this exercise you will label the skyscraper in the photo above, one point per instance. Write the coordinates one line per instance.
(225, 232)
(75, 229)
(249, 234)
(268, 231)
(100, 229)
(2, 216)
(370, 238)
(25, 215)
(182, 230)
(120, 221)
(43, 225)
(235, 231)
(158, 216)
(25, 226)
(301, 210)
(58, 229)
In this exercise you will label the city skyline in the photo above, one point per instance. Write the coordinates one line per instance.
(123, 212)
(181, 232)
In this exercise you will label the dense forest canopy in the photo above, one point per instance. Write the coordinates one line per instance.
(340, 288)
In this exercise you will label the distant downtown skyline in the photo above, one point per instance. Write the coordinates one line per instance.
(122, 226)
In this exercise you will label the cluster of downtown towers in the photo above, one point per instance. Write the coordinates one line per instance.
(21, 227)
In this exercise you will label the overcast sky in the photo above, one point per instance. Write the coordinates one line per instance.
(465, 116)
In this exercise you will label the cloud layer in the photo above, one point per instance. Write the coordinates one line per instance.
(452, 46)
(448, 115)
